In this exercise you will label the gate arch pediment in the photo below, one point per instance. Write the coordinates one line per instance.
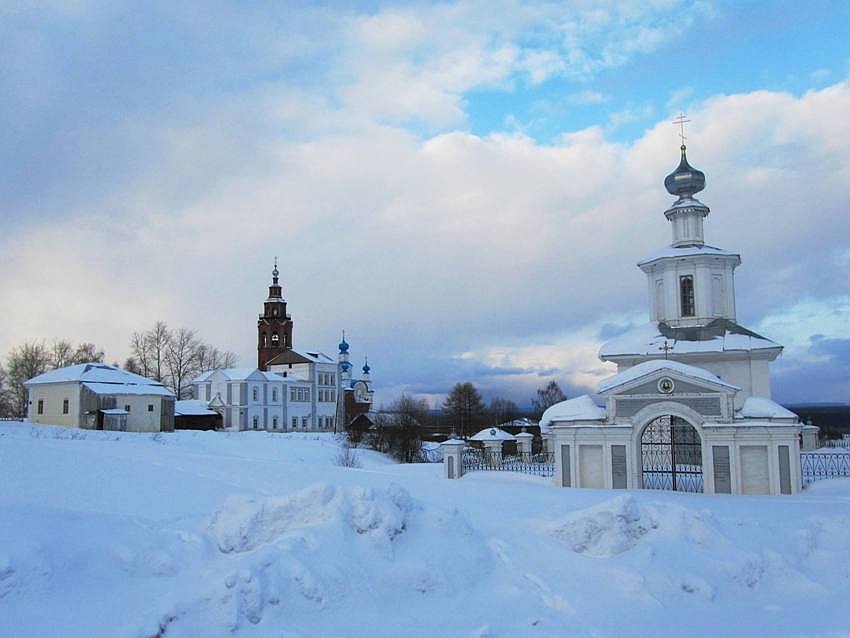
(664, 408)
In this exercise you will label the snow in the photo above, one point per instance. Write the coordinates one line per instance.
(254, 534)
(647, 340)
(492, 434)
(127, 388)
(97, 374)
(650, 367)
(763, 408)
(579, 409)
(192, 407)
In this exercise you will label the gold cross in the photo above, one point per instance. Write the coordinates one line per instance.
(666, 348)
(681, 121)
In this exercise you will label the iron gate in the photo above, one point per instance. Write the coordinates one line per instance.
(671, 456)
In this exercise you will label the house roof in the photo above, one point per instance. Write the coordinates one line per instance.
(103, 379)
(720, 335)
(193, 407)
(649, 367)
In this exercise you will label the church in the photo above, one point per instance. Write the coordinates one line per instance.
(290, 389)
(689, 408)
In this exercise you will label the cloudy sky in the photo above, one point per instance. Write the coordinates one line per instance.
(465, 187)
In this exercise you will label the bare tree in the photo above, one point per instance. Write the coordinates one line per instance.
(400, 428)
(25, 362)
(182, 359)
(547, 396)
(464, 404)
(502, 410)
(86, 353)
(211, 358)
(158, 339)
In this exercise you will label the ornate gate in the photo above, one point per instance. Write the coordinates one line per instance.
(671, 455)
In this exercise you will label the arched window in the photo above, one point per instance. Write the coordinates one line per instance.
(274, 423)
(275, 338)
(256, 394)
(274, 395)
(256, 422)
(265, 340)
(686, 290)
(274, 312)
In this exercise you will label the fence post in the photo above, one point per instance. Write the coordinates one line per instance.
(452, 458)
(524, 440)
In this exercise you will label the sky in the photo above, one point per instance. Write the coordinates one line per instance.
(464, 187)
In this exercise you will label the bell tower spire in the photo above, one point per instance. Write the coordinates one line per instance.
(274, 327)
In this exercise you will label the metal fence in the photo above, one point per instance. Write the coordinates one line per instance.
(429, 455)
(818, 466)
(540, 464)
(839, 443)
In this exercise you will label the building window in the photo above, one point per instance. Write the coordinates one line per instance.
(274, 423)
(150, 407)
(295, 423)
(64, 406)
(274, 394)
(274, 312)
(255, 392)
(686, 289)
(292, 394)
(275, 338)
(333, 396)
(256, 422)
(41, 406)
(265, 340)
(332, 380)
(127, 408)
(305, 422)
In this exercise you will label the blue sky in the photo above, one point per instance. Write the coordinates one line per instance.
(465, 187)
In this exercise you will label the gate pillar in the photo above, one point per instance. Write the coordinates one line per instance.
(453, 458)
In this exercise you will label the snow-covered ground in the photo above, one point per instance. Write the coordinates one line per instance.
(199, 534)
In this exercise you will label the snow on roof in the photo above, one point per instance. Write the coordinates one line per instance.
(129, 388)
(192, 407)
(650, 367)
(579, 409)
(315, 356)
(685, 251)
(115, 411)
(764, 408)
(204, 376)
(492, 434)
(96, 372)
(647, 340)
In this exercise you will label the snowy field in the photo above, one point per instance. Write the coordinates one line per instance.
(197, 534)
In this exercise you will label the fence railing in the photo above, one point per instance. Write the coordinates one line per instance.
(836, 443)
(817, 466)
(429, 455)
(540, 464)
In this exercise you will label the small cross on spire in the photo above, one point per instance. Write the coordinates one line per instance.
(666, 347)
(681, 120)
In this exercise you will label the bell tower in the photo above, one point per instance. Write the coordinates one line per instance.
(274, 327)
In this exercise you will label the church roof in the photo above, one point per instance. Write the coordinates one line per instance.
(648, 367)
(720, 335)
(688, 251)
(300, 356)
(764, 408)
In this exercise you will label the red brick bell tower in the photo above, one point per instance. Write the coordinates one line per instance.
(274, 328)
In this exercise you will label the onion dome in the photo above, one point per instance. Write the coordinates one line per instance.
(366, 367)
(343, 345)
(275, 272)
(685, 180)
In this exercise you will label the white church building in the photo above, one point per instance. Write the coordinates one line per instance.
(294, 390)
(689, 408)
